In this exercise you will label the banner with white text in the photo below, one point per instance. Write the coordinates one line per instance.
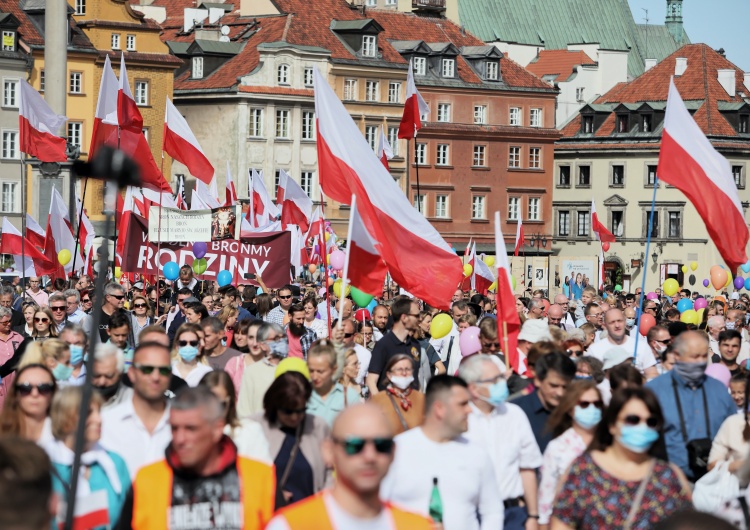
(194, 225)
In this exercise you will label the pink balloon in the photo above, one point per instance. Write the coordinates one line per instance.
(652, 296)
(700, 303)
(336, 259)
(469, 341)
(720, 373)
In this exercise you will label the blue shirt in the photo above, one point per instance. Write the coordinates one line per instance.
(538, 416)
(333, 404)
(720, 405)
(244, 314)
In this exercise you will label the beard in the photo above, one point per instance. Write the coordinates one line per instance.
(296, 329)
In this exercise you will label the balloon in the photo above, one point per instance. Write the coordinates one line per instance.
(63, 257)
(441, 325)
(513, 282)
(729, 280)
(691, 279)
(690, 317)
(705, 283)
(652, 296)
(739, 282)
(745, 267)
(118, 272)
(312, 268)
(719, 372)
(684, 269)
(200, 265)
(371, 306)
(605, 246)
(171, 270)
(199, 249)
(493, 286)
(719, 277)
(693, 266)
(700, 303)
(337, 259)
(700, 314)
(489, 261)
(684, 304)
(361, 298)
(671, 287)
(647, 322)
(337, 288)
(747, 283)
(330, 282)
(468, 269)
(224, 278)
(618, 287)
(362, 314)
(327, 235)
(469, 341)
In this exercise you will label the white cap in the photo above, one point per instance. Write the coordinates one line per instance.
(534, 330)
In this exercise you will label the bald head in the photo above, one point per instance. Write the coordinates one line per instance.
(555, 314)
(691, 347)
(614, 321)
(362, 421)
(629, 312)
(561, 299)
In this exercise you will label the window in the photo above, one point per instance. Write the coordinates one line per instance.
(587, 124)
(10, 93)
(146, 134)
(480, 114)
(76, 79)
(9, 41)
(141, 93)
(650, 175)
(442, 155)
(492, 70)
(420, 66)
(584, 175)
(444, 112)
(393, 139)
(514, 157)
(674, 224)
(282, 74)
(579, 94)
(371, 91)
(308, 125)
(617, 223)
(535, 157)
(8, 203)
(256, 122)
(80, 7)
(130, 43)
(514, 116)
(420, 156)
(563, 223)
(391, 2)
(646, 123)
(41, 81)
(622, 123)
(74, 133)
(534, 214)
(441, 206)
(737, 175)
(419, 203)
(276, 180)
(535, 117)
(306, 182)
(449, 67)
(654, 226)
(115, 41)
(369, 46)
(371, 135)
(618, 175)
(480, 159)
(350, 89)
(477, 207)
(282, 123)
(372, 3)
(513, 208)
(744, 124)
(197, 67)
(583, 224)
(308, 74)
(564, 176)
(394, 92)
(10, 144)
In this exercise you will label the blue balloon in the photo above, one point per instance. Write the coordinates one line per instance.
(224, 278)
(684, 304)
(171, 270)
(747, 283)
(371, 306)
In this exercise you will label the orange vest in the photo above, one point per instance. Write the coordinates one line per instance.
(152, 495)
(311, 514)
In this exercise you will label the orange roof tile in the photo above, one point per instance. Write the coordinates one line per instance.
(559, 63)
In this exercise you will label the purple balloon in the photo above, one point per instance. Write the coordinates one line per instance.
(337, 259)
(199, 249)
(739, 282)
(705, 283)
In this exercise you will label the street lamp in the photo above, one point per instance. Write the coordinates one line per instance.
(538, 240)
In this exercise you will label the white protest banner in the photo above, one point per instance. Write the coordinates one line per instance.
(195, 225)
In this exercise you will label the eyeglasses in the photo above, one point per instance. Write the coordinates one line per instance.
(491, 344)
(44, 320)
(665, 341)
(585, 404)
(5, 321)
(650, 309)
(86, 300)
(57, 307)
(634, 419)
(354, 445)
(184, 343)
(290, 412)
(402, 371)
(577, 353)
(25, 389)
(413, 315)
(287, 297)
(180, 300)
(117, 296)
(348, 335)
(139, 306)
(146, 369)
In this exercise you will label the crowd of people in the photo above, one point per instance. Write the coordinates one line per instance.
(245, 407)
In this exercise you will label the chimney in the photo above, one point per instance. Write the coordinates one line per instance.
(207, 34)
(680, 66)
(727, 81)
(650, 63)
(747, 80)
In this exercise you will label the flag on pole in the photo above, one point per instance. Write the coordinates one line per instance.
(38, 125)
(414, 108)
(203, 192)
(180, 198)
(508, 323)
(60, 230)
(367, 271)
(180, 143)
(128, 115)
(105, 118)
(230, 196)
(35, 264)
(296, 207)
(385, 153)
(601, 232)
(520, 238)
(86, 237)
(690, 163)
(34, 232)
(483, 277)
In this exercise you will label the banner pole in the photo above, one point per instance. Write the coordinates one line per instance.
(23, 220)
(78, 234)
(645, 268)
(324, 256)
(345, 276)
(158, 242)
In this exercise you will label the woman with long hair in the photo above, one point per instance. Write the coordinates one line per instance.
(188, 360)
(732, 442)
(239, 337)
(263, 305)
(228, 317)
(141, 316)
(44, 325)
(349, 375)
(27, 405)
(310, 306)
(235, 367)
(402, 405)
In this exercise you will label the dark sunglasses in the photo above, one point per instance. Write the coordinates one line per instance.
(118, 296)
(148, 369)
(354, 446)
(45, 320)
(665, 341)
(348, 335)
(184, 343)
(290, 412)
(138, 306)
(86, 300)
(585, 404)
(285, 297)
(57, 307)
(25, 389)
(491, 344)
(634, 419)
(577, 353)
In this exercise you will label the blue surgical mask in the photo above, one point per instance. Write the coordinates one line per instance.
(76, 354)
(638, 438)
(588, 417)
(62, 372)
(730, 325)
(188, 353)
(498, 393)
(279, 348)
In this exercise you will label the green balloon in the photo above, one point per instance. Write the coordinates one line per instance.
(360, 298)
(200, 266)
(618, 287)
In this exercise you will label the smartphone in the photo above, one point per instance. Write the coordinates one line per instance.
(249, 276)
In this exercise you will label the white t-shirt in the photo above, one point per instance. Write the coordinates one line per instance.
(341, 520)
(195, 375)
(645, 358)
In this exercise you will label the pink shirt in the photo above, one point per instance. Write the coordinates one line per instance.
(7, 349)
(41, 298)
(295, 348)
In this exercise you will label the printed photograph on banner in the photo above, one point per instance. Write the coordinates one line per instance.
(578, 273)
(176, 225)
(224, 223)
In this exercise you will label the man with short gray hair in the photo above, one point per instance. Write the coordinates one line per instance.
(7, 294)
(114, 299)
(715, 325)
(106, 377)
(74, 311)
(58, 307)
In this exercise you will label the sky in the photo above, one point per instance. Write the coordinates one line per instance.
(718, 23)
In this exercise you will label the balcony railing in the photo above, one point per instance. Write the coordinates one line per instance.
(428, 4)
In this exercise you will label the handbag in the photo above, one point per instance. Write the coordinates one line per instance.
(636, 504)
(715, 489)
(699, 448)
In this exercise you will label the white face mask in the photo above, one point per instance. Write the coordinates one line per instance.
(629, 322)
(659, 348)
(402, 382)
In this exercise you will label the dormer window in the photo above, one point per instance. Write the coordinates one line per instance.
(197, 67)
(492, 70)
(369, 46)
(282, 74)
(587, 124)
(622, 123)
(449, 68)
(420, 66)
(9, 41)
(646, 123)
(743, 125)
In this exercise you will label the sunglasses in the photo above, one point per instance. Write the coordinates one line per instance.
(290, 412)
(577, 353)
(118, 296)
(5, 321)
(86, 300)
(148, 369)
(634, 419)
(25, 389)
(45, 320)
(491, 344)
(285, 297)
(348, 335)
(139, 306)
(57, 308)
(354, 446)
(184, 343)
(585, 404)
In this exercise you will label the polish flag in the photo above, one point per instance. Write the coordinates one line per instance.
(204, 195)
(132, 203)
(128, 115)
(231, 193)
(86, 235)
(414, 108)
(35, 263)
(508, 323)
(316, 224)
(520, 238)
(91, 511)
(367, 269)
(602, 234)
(689, 162)
(296, 207)
(38, 125)
(385, 153)
(418, 259)
(150, 197)
(261, 205)
(180, 198)
(60, 230)
(105, 119)
(34, 232)
(180, 143)
(483, 277)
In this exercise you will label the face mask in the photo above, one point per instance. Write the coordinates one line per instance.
(498, 393)
(402, 381)
(279, 348)
(638, 438)
(583, 377)
(62, 372)
(629, 322)
(690, 372)
(588, 417)
(108, 391)
(660, 348)
(76, 354)
(730, 325)
(188, 353)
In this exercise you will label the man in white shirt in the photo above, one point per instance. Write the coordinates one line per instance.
(138, 429)
(447, 347)
(437, 456)
(614, 322)
(567, 322)
(504, 431)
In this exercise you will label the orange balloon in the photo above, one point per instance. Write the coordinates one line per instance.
(647, 322)
(719, 277)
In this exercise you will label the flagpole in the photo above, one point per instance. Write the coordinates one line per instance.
(158, 240)
(345, 277)
(500, 246)
(23, 220)
(416, 166)
(324, 254)
(78, 233)
(645, 268)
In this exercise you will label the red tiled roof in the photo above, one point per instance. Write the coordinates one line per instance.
(163, 58)
(511, 130)
(559, 63)
(284, 91)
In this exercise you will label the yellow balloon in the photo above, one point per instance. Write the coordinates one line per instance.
(337, 288)
(700, 314)
(489, 261)
(729, 280)
(684, 269)
(468, 269)
(671, 287)
(118, 272)
(690, 316)
(493, 286)
(64, 257)
(693, 265)
(327, 236)
(441, 325)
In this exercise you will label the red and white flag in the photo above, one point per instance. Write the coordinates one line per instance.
(262, 209)
(38, 125)
(105, 127)
(128, 115)
(181, 198)
(296, 207)
(508, 323)
(690, 163)
(231, 192)
(366, 268)
(91, 511)
(34, 232)
(60, 231)
(385, 153)
(86, 237)
(132, 203)
(414, 108)
(482, 277)
(520, 238)
(418, 258)
(205, 200)
(180, 143)
(601, 232)
(470, 257)
(35, 264)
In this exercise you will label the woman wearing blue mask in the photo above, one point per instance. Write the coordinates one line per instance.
(188, 361)
(626, 485)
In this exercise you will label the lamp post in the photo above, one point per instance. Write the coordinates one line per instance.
(538, 240)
